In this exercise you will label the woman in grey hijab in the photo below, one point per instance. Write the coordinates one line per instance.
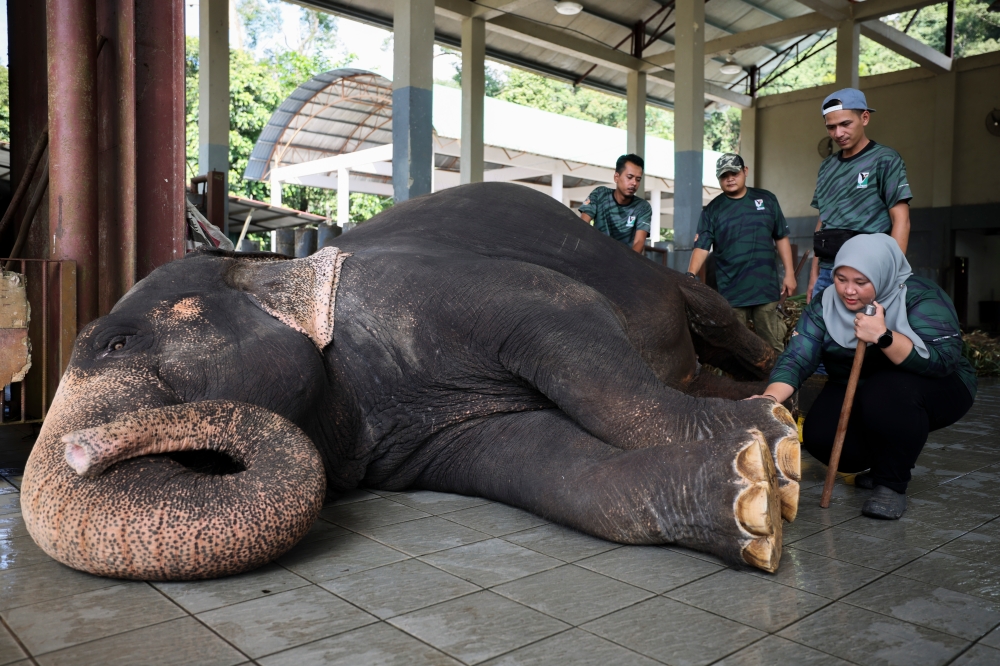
(914, 378)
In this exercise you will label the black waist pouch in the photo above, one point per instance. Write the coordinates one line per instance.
(827, 242)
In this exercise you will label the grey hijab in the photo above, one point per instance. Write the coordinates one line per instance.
(878, 258)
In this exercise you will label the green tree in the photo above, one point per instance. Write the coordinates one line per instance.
(722, 131)
(257, 86)
(4, 105)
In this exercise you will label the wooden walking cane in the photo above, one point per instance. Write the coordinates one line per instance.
(845, 416)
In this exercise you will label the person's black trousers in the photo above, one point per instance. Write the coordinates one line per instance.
(893, 413)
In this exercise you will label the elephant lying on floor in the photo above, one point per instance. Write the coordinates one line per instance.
(482, 341)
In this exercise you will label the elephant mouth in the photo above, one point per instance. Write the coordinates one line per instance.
(207, 461)
(197, 490)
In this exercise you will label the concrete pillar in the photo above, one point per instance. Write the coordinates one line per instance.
(557, 187)
(284, 242)
(748, 142)
(275, 192)
(343, 198)
(326, 235)
(944, 138)
(689, 127)
(654, 226)
(473, 92)
(848, 48)
(635, 117)
(412, 98)
(213, 86)
(305, 243)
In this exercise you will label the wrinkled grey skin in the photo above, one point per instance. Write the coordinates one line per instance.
(482, 340)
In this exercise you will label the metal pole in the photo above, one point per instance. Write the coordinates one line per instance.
(71, 26)
(949, 31)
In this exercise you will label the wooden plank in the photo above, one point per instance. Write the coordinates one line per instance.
(15, 348)
(13, 301)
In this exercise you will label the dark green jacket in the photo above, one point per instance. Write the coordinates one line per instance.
(932, 317)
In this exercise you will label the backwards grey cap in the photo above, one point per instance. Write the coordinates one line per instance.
(728, 163)
(848, 98)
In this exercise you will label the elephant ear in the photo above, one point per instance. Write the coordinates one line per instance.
(300, 293)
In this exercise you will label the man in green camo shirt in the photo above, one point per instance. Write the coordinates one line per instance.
(862, 189)
(618, 212)
(745, 225)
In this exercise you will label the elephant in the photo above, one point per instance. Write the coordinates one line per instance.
(482, 340)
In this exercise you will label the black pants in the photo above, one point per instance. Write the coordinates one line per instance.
(892, 414)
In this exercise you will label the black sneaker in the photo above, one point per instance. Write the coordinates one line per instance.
(864, 481)
(885, 504)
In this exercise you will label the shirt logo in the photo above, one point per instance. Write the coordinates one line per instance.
(759, 203)
(587, 202)
(863, 180)
(630, 222)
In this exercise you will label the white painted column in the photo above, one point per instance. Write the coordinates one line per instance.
(274, 241)
(343, 197)
(654, 225)
(748, 142)
(635, 117)
(689, 127)
(275, 189)
(848, 49)
(412, 98)
(473, 92)
(557, 187)
(213, 91)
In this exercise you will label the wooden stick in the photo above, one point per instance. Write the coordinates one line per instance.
(845, 416)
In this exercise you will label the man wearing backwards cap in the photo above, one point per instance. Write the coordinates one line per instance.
(744, 224)
(860, 190)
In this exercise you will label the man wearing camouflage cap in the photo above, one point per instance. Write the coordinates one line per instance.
(745, 225)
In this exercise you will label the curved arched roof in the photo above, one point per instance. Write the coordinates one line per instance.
(340, 111)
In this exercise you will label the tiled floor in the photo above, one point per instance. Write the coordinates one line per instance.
(426, 578)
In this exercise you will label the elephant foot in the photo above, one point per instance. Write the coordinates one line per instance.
(782, 438)
(758, 508)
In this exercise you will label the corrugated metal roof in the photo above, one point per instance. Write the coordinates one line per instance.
(606, 22)
(346, 110)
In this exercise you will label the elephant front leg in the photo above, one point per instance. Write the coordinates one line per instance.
(718, 495)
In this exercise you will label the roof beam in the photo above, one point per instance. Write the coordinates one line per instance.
(906, 46)
(874, 9)
(714, 92)
(837, 10)
(774, 32)
(545, 36)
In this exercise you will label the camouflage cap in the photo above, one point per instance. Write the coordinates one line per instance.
(728, 163)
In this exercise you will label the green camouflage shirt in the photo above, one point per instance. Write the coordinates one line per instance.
(857, 192)
(743, 232)
(618, 221)
(931, 316)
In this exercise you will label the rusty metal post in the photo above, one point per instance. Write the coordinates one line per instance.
(116, 150)
(215, 199)
(159, 133)
(71, 34)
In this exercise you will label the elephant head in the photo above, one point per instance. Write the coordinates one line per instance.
(173, 448)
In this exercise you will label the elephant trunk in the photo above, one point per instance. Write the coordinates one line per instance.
(107, 500)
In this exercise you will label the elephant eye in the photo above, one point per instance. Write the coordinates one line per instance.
(117, 343)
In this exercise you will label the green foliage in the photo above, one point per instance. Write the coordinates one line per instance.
(257, 86)
(722, 131)
(4, 105)
(976, 31)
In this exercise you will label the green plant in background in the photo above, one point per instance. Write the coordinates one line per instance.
(257, 85)
(983, 353)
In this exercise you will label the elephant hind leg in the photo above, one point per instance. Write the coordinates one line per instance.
(718, 495)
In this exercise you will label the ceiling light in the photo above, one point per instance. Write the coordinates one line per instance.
(567, 8)
(731, 68)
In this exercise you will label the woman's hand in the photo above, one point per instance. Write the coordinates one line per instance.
(776, 392)
(870, 328)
